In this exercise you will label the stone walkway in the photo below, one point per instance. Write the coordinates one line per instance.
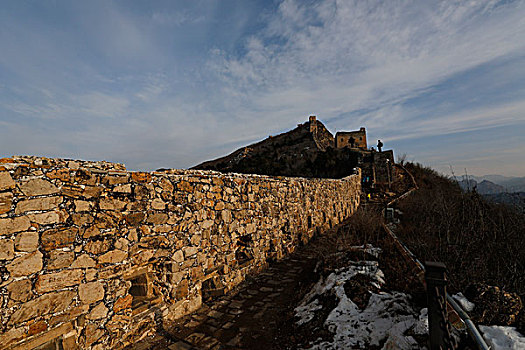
(258, 316)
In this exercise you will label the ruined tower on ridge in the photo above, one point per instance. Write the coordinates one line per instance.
(351, 139)
(313, 124)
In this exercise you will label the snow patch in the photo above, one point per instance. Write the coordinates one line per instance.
(503, 338)
(383, 322)
(464, 302)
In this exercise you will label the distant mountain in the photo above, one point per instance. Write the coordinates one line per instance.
(513, 199)
(506, 183)
(483, 187)
(299, 152)
(497, 179)
(515, 184)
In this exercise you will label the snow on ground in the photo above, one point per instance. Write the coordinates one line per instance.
(386, 319)
(503, 338)
(497, 337)
(463, 301)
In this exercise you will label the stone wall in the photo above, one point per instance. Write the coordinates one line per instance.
(93, 256)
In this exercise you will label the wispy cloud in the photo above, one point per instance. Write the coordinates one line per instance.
(174, 84)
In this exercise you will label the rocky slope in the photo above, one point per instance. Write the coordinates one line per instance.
(298, 152)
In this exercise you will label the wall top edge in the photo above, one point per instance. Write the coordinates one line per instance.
(116, 169)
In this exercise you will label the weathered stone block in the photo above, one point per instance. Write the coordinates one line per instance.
(226, 216)
(6, 200)
(59, 259)
(91, 274)
(12, 225)
(117, 322)
(178, 256)
(61, 174)
(122, 188)
(72, 190)
(69, 341)
(157, 218)
(98, 312)
(92, 192)
(70, 314)
(97, 247)
(158, 204)
(111, 204)
(58, 238)
(7, 249)
(47, 218)
(143, 256)
(189, 251)
(134, 219)
(44, 203)
(81, 206)
(112, 257)
(37, 187)
(26, 264)
(91, 292)
(12, 335)
(27, 241)
(141, 176)
(41, 306)
(37, 327)
(6, 181)
(82, 219)
(122, 244)
(176, 277)
(182, 290)
(104, 220)
(20, 290)
(207, 224)
(58, 280)
(83, 261)
(184, 307)
(36, 341)
(154, 242)
(115, 180)
(90, 231)
(92, 333)
(123, 303)
(185, 186)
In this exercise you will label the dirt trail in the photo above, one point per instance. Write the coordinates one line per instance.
(258, 316)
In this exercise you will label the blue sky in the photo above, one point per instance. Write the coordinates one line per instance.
(172, 83)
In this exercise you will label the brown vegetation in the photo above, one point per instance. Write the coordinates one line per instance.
(479, 241)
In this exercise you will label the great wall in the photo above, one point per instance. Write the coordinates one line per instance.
(93, 255)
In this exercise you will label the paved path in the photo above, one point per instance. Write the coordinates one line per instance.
(258, 316)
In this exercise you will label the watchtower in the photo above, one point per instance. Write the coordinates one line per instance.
(345, 138)
(313, 124)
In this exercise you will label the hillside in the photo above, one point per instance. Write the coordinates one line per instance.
(481, 187)
(298, 152)
(478, 240)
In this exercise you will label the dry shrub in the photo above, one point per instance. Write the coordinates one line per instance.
(362, 227)
(479, 241)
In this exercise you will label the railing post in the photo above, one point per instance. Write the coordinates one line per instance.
(436, 282)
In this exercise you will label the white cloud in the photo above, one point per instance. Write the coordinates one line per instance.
(471, 120)
(341, 56)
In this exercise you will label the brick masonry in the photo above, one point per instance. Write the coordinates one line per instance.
(94, 256)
